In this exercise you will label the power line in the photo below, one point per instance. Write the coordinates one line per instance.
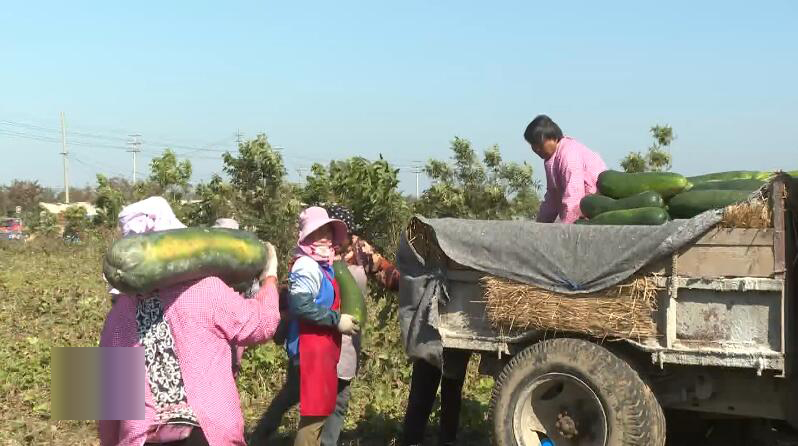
(98, 166)
(97, 140)
(144, 143)
(74, 142)
(25, 136)
(44, 138)
(214, 158)
(71, 142)
(182, 147)
(52, 130)
(119, 139)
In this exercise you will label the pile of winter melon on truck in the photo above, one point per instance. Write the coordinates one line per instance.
(653, 198)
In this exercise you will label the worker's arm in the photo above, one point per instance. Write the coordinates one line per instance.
(549, 208)
(305, 283)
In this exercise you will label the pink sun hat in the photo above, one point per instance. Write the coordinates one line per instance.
(314, 218)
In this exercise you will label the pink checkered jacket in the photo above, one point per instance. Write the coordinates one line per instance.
(571, 173)
(205, 317)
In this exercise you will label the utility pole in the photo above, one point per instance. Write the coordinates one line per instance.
(299, 171)
(238, 136)
(417, 169)
(64, 153)
(134, 147)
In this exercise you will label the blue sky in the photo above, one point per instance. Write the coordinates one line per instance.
(328, 80)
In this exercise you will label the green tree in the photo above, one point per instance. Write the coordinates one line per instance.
(370, 189)
(26, 194)
(318, 186)
(124, 186)
(482, 189)
(169, 176)
(657, 158)
(75, 222)
(86, 193)
(109, 201)
(5, 207)
(265, 202)
(41, 222)
(217, 199)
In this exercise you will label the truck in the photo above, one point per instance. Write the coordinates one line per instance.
(724, 346)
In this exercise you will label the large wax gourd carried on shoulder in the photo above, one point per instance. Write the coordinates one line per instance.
(145, 262)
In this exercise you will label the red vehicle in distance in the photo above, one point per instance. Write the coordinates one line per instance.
(11, 229)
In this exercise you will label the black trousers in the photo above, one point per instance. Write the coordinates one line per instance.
(197, 438)
(423, 391)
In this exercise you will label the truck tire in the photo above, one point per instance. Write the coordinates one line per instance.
(658, 415)
(575, 393)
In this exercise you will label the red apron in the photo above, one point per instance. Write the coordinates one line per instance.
(319, 350)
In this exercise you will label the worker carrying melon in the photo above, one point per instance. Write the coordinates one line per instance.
(571, 170)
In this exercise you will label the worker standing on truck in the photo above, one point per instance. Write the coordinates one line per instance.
(571, 170)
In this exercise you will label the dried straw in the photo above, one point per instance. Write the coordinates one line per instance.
(755, 214)
(423, 240)
(624, 311)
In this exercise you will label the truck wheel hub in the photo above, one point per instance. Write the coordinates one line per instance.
(566, 426)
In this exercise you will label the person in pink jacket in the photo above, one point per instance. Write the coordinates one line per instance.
(571, 170)
(186, 332)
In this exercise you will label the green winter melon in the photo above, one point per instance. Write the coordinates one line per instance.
(145, 262)
(650, 216)
(595, 204)
(694, 202)
(732, 175)
(748, 185)
(618, 185)
(352, 301)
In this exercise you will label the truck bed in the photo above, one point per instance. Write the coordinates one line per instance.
(724, 301)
